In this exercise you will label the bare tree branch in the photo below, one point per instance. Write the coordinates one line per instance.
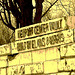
(48, 9)
(64, 8)
(20, 9)
(8, 25)
(8, 11)
(14, 10)
(49, 2)
(5, 16)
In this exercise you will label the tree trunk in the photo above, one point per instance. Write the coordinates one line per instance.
(38, 11)
(26, 12)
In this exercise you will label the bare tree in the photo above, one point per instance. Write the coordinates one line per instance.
(22, 10)
(38, 11)
(59, 9)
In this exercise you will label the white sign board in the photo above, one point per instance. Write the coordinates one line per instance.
(45, 41)
(40, 29)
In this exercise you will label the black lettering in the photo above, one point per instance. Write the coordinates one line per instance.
(62, 37)
(52, 26)
(30, 31)
(54, 37)
(37, 30)
(60, 23)
(51, 40)
(57, 25)
(24, 32)
(28, 44)
(20, 46)
(45, 27)
(24, 46)
(39, 42)
(43, 41)
(47, 40)
(57, 38)
(20, 34)
(33, 43)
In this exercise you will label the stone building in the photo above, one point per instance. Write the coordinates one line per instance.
(46, 48)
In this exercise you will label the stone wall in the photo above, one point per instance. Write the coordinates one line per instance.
(51, 53)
